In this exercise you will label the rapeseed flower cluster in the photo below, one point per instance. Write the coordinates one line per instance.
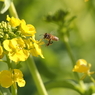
(17, 40)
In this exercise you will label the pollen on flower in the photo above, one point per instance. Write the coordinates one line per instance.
(18, 47)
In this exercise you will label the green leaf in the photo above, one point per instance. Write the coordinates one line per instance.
(70, 84)
(6, 5)
(4, 91)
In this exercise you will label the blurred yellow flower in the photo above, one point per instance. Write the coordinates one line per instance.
(27, 29)
(7, 78)
(1, 52)
(81, 66)
(86, 0)
(14, 22)
(15, 48)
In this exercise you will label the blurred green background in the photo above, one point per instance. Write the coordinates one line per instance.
(57, 64)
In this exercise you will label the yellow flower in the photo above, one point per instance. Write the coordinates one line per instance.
(27, 30)
(82, 66)
(15, 48)
(18, 77)
(34, 46)
(7, 78)
(14, 22)
(1, 52)
(36, 50)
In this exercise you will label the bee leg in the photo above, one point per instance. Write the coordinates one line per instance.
(49, 42)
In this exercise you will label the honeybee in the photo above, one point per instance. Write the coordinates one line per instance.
(50, 38)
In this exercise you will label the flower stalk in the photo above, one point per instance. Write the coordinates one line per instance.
(65, 39)
(13, 90)
(91, 78)
(36, 76)
(13, 11)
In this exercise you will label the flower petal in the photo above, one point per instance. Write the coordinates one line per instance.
(81, 66)
(21, 82)
(5, 78)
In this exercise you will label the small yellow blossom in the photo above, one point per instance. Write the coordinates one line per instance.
(7, 78)
(36, 50)
(18, 77)
(34, 47)
(27, 29)
(14, 22)
(1, 52)
(15, 48)
(82, 66)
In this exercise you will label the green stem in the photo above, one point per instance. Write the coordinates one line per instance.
(13, 90)
(92, 79)
(66, 42)
(8, 62)
(36, 76)
(13, 11)
(13, 87)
